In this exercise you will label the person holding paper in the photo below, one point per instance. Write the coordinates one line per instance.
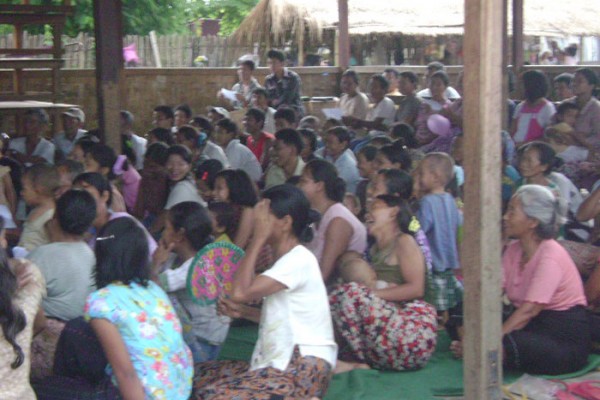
(241, 93)
(381, 115)
(353, 102)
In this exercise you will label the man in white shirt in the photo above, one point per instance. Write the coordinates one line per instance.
(239, 156)
(138, 143)
(33, 148)
(432, 68)
(72, 121)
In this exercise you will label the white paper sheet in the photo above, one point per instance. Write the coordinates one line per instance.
(335, 113)
(229, 94)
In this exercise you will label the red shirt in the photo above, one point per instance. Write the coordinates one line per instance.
(258, 147)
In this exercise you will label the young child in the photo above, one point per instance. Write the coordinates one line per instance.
(154, 186)
(234, 186)
(440, 220)
(205, 175)
(352, 203)
(100, 158)
(188, 229)
(353, 268)
(40, 184)
(224, 220)
(67, 171)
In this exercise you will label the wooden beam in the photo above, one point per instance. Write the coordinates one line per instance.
(518, 59)
(343, 54)
(109, 69)
(301, 42)
(481, 247)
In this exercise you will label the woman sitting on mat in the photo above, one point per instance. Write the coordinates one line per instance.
(295, 352)
(388, 327)
(548, 332)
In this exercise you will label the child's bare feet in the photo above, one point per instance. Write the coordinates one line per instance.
(456, 348)
(344, 366)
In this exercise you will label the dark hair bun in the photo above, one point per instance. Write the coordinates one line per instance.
(314, 216)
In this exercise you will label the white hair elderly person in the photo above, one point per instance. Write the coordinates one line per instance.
(548, 331)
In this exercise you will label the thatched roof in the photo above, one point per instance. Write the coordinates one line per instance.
(280, 18)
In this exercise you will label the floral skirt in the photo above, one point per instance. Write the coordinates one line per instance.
(384, 334)
(305, 377)
(43, 348)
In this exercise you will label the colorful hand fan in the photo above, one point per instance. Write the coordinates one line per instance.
(211, 272)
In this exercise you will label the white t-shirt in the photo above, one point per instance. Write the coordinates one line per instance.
(184, 190)
(65, 145)
(298, 315)
(269, 120)
(215, 152)
(356, 106)
(241, 157)
(450, 93)
(139, 148)
(44, 148)
(385, 109)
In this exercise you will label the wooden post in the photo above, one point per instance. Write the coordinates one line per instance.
(155, 51)
(301, 42)
(481, 247)
(109, 69)
(343, 53)
(517, 39)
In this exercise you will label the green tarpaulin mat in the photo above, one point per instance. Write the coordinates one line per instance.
(442, 376)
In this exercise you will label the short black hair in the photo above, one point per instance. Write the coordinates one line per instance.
(290, 137)
(565, 78)
(257, 114)
(104, 155)
(535, 85)
(369, 152)
(157, 152)
(350, 73)
(590, 76)
(86, 144)
(189, 133)
(186, 109)
(406, 133)
(228, 125)
(311, 135)
(97, 181)
(193, 218)
(436, 66)
(566, 106)
(383, 82)
(441, 75)
(411, 76)
(341, 133)
(163, 135)
(75, 211)
(285, 113)
(248, 63)
(546, 153)
(242, 190)
(225, 215)
(276, 54)
(260, 91)
(203, 124)
(181, 151)
(44, 178)
(167, 111)
(397, 182)
(122, 253)
(73, 167)
(391, 71)
(207, 171)
(397, 154)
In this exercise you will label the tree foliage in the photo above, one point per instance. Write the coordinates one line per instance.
(162, 16)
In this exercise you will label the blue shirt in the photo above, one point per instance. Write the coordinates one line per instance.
(347, 170)
(440, 219)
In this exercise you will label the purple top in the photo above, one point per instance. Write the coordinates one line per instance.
(358, 240)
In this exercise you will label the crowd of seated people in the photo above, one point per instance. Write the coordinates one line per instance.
(351, 230)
